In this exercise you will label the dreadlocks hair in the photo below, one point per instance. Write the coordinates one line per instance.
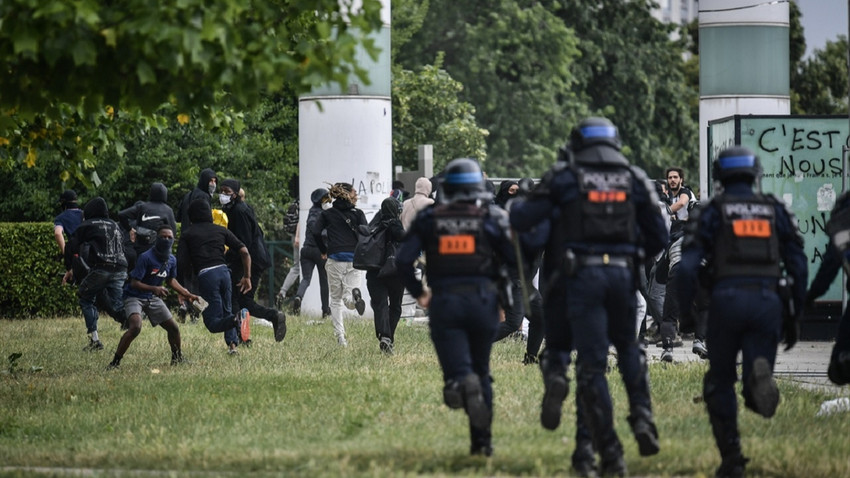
(340, 190)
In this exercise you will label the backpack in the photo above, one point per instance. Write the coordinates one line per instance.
(290, 219)
(371, 249)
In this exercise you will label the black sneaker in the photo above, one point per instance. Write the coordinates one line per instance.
(556, 389)
(667, 355)
(279, 325)
(763, 390)
(93, 346)
(113, 365)
(182, 312)
(177, 358)
(359, 303)
(296, 305)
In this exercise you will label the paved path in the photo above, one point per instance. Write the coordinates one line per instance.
(804, 364)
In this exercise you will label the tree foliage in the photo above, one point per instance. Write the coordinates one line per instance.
(822, 85)
(69, 68)
(533, 69)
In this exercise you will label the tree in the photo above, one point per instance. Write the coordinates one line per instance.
(426, 110)
(821, 88)
(514, 60)
(69, 68)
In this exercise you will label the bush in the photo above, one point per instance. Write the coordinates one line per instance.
(32, 273)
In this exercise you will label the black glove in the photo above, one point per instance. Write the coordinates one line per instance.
(790, 331)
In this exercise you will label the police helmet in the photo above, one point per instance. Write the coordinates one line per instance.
(737, 163)
(594, 131)
(463, 181)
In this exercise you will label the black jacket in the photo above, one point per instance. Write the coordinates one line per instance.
(341, 235)
(106, 244)
(242, 222)
(149, 214)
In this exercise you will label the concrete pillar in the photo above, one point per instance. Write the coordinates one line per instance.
(744, 65)
(345, 135)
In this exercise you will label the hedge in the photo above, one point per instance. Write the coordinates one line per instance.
(31, 278)
(31, 273)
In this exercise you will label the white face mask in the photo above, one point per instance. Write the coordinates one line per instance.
(224, 198)
(327, 205)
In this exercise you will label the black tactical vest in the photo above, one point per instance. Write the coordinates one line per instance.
(747, 244)
(459, 246)
(604, 213)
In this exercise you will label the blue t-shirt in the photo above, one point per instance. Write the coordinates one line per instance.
(69, 219)
(151, 271)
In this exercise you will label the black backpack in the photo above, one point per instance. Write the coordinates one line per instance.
(371, 250)
(290, 219)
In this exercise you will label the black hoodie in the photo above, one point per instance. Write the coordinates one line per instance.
(341, 235)
(148, 215)
(201, 191)
(103, 237)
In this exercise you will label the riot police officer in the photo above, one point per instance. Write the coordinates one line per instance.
(745, 235)
(605, 219)
(837, 254)
(465, 239)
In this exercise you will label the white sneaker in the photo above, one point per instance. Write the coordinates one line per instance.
(341, 341)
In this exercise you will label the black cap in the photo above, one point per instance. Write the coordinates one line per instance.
(68, 196)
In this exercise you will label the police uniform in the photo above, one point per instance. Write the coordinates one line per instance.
(605, 218)
(464, 244)
(744, 235)
(836, 256)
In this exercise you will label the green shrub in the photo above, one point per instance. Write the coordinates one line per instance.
(31, 282)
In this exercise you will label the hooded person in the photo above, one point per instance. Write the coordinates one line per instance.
(201, 251)
(385, 287)
(420, 200)
(207, 182)
(507, 191)
(142, 220)
(243, 224)
(95, 255)
(311, 256)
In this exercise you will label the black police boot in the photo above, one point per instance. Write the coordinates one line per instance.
(556, 387)
(643, 428)
(474, 404)
(763, 395)
(612, 462)
(729, 443)
(481, 441)
(584, 459)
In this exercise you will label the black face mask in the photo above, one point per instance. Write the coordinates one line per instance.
(162, 248)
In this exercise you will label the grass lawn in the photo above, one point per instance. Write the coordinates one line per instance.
(311, 408)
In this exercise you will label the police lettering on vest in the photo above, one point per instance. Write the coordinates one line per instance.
(748, 244)
(460, 247)
(604, 212)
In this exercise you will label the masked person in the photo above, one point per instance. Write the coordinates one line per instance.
(201, 252)
(340, 222)
(99, 244)
(145, 291)
(747, 237)
(142, 220)
(385, 288)
(465, 242)
(311, 256)
(207, 182)
(243, 224)
(605, 220)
